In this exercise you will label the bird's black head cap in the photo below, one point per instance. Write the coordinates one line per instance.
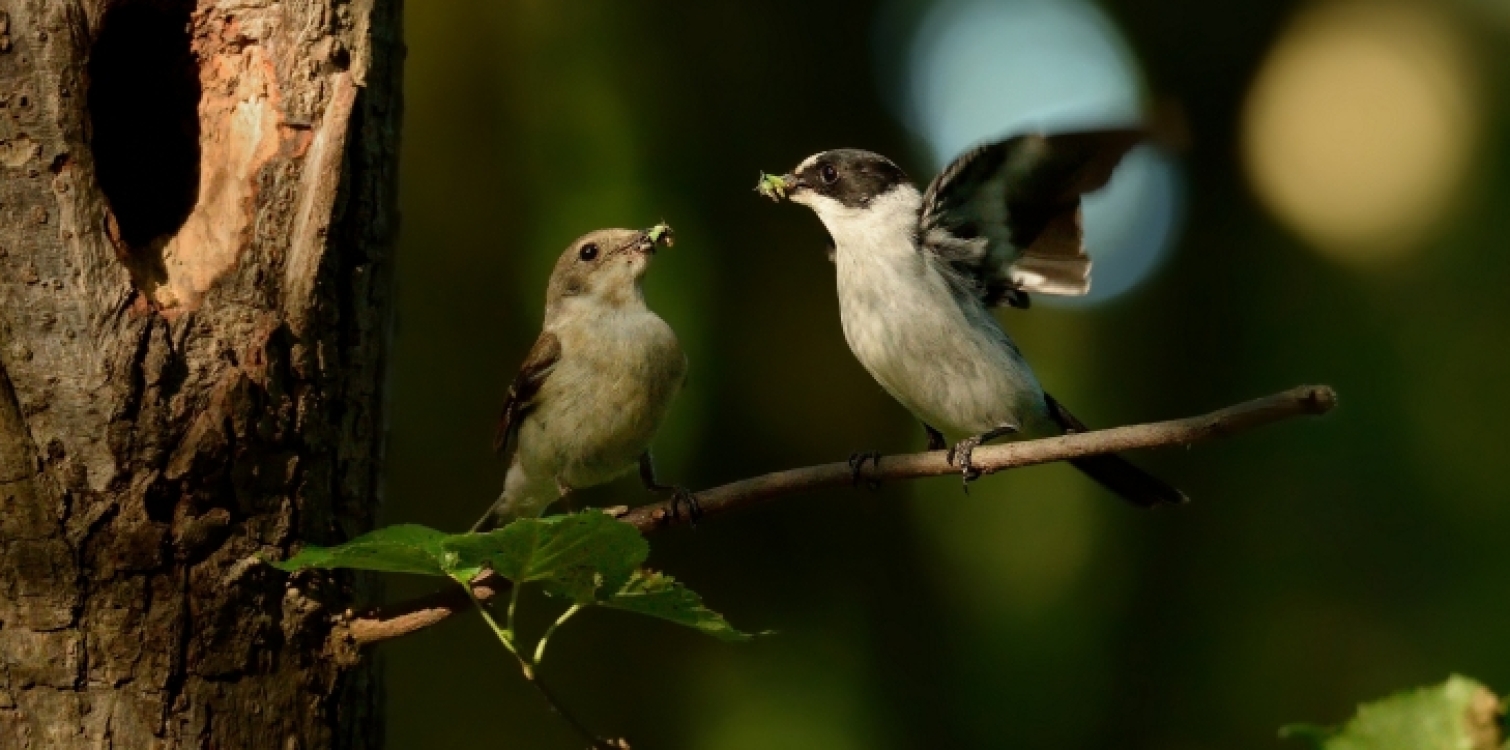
(850, 176)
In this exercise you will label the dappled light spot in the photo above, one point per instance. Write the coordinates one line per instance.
(1360, 127)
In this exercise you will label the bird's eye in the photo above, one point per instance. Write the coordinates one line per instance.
(588, 251)
(829, 173)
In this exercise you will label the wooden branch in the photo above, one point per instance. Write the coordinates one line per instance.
(383, 623)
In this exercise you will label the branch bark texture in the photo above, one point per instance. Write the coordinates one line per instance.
(389, 622)
(196, 222)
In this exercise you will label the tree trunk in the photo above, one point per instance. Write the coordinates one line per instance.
(196, 230)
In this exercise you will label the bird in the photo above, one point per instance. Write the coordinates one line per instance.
(919, 273)
(597, 383)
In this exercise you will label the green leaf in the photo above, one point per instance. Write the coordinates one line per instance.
(575, 556)
(1459, 714)
(659, 595)
(1316, 735)
(406, 548)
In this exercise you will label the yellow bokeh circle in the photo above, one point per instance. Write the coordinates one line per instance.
(1361, 126)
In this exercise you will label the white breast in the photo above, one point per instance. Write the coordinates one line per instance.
(943, 357)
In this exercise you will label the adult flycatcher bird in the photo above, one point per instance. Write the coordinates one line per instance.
(918, 274)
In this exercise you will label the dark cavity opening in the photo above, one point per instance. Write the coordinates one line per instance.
(144, 120)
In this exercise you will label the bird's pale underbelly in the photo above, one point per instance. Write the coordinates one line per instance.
(959, 378)
(598, 435)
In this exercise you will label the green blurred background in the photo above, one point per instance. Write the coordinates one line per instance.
(1340, 216)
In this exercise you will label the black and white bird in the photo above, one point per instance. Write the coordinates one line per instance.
(918, 275)
(596, 385)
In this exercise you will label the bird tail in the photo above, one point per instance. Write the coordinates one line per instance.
(521, 498)
(1114, 472)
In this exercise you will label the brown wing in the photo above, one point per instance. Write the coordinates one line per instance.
(537, 366)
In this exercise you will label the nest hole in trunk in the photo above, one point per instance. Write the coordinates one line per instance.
(143, 104)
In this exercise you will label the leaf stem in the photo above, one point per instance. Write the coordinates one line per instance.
(513, 604)
(597, 743)
(506, 636)
(540, 647)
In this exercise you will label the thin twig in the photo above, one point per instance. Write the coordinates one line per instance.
(383, 623)
(597, 743)
(531, 671)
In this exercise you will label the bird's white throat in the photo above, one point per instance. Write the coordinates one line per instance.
(887, 218)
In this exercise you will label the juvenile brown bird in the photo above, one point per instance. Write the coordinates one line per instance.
(597, 383)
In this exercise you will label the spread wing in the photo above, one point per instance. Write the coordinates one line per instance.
(521, 399)
(1005, 217)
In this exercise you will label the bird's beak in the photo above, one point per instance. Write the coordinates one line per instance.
(660, 234)
(778, 187)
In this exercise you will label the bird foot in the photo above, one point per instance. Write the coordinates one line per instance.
(683, 497)
(959, 455)
(857, 468)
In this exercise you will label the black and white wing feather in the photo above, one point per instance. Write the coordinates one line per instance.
(1005, 217)
(526, 386)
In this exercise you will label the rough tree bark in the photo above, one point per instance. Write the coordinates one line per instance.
(196, 224)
